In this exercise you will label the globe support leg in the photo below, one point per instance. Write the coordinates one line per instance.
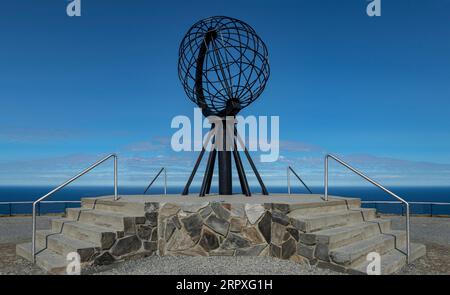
(225, 173)
(241, 172)
(207, 178)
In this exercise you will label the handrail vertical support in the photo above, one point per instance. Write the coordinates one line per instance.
(33, 238)
(165, 181)
(408, 244)
(326, 178)
(116, 197)
(288, 180)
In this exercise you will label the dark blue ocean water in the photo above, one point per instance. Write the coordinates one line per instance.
(424, 194)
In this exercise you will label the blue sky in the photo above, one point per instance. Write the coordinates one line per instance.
(374, 90)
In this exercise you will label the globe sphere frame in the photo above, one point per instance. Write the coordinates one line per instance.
(223, 65)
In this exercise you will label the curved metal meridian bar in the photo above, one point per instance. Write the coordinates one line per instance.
(408, 244)
(289, 169)
(209, 37)
(33, 241)
(156, 177)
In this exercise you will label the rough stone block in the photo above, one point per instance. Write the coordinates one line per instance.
(252, 234)
(265, 226)
(237, 210)
(233, 241)
(104, 259)
(144, 231)
(305, 251)
(193, 225)
(126, 245)
(180, 240)
(168, 210)
(193, 208)
(219, 225)
(209, 240)
(250, 251)
(150, 246)
(322, 252)
(275, 251)
(176, 221)
(170, 228)
(288, 248)
(294, 233)
(280, 218)
(205, 212)
(152, 218)
(254, 212)
(283, 208)
(220, 211)
(236, 224)
(151, 207)
(195, 251)
(308, 239)
(154, 236)
(278, 232)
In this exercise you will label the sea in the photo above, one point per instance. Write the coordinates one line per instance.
(75, 193)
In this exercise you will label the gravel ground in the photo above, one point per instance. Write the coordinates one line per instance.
(433, 232)
(184, 265)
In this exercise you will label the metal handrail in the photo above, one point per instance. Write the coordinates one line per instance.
(31, 202)
(33, 241)
(431, 204)
(289, 169)
(156, 177)
(408, 244)
(411, 203)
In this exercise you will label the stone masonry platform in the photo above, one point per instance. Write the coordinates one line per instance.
(337, 234)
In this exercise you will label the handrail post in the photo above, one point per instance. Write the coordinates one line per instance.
(408, 246)
(326, 178)
(165, 181)
(291, 170)
(33, 238)
(10, 209)
(288, 180)
(116, 197)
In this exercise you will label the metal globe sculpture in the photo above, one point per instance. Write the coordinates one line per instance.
(223, 65)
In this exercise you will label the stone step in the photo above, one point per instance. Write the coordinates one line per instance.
(355, 253)
(334, 204)
(46, 259)
(393, 260)
(98, 235)
(108, 204)
(117, 221)
(340, 236)
(64, 245)
(316, 222)
(336, 237)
